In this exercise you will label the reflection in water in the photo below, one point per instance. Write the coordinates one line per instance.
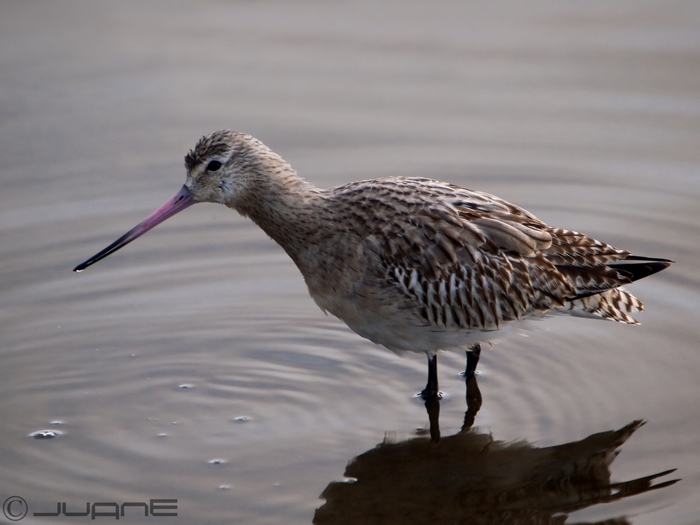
(472, 478)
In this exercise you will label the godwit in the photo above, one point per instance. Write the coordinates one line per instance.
(412, 264)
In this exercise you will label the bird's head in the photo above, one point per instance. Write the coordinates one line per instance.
(220, 168)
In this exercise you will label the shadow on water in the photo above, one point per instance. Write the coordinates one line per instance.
(472, 478)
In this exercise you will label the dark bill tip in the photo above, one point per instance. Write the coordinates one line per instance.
(183, 199)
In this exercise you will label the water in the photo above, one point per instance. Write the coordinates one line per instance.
(192, 365)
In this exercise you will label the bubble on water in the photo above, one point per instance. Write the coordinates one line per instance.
(163, 435)
(45, 434)
(186, 386)
(56, 422)
(217, 461)
(241, 419)
(224, 487)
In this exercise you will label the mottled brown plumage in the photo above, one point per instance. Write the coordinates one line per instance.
(413, 264)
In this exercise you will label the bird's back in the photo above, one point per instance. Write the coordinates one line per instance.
(416, 264)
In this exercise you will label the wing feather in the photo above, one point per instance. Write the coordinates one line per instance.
(470, 260)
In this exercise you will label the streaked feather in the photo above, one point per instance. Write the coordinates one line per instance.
(418, 264)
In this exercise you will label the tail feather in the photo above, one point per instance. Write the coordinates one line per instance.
(615, 304)
(634, 267)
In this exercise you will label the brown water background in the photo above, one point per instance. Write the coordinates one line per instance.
(199, 342)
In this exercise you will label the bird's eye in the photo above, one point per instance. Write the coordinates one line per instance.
(214, 165)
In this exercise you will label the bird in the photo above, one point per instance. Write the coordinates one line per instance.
(410, 263)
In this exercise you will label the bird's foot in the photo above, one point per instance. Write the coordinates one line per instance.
(473, 355)
(468, 376)
(430, 394)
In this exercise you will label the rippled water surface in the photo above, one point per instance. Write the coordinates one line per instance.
(193, 366)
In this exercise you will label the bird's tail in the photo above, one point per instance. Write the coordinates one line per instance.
(617, 304)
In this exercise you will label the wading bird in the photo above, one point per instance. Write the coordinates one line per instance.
(412, 264)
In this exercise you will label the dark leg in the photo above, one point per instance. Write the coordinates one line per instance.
(473, 355)
(431, 389)
(473, 392)
(433, 408)
(473, 403)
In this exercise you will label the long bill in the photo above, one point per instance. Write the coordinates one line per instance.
(182, 199)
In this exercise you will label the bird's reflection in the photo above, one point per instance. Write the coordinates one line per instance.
(472, 478)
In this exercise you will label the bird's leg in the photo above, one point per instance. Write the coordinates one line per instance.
(473, 355)
(433, 408)
(473, 393)
(473, 403)
(431, 389)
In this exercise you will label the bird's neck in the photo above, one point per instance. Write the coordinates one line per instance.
(284, 206)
